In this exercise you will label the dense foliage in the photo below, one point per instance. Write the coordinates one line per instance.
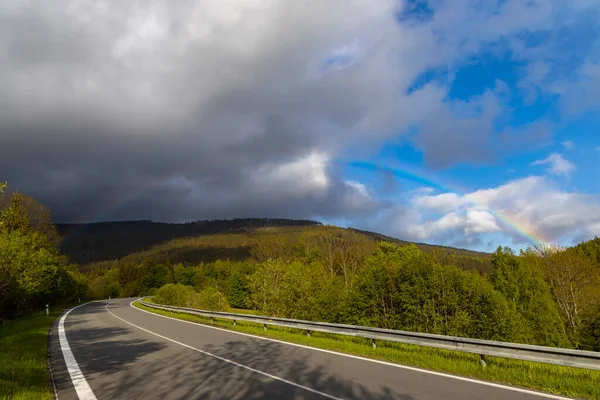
(185, 296)
(544, 295)
(32, 271)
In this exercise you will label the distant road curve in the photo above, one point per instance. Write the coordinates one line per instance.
(111, 350)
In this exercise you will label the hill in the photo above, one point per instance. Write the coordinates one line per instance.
(207, 241)
(86, 243)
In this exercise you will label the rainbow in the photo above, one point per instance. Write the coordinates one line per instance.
(406, 172)
(96, 214)
(427, 179)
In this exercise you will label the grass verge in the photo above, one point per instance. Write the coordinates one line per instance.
(567, 381)
(23, 357)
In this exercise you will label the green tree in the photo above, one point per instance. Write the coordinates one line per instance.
(590, 333)
(113, 289)
(238, 294)
(296, 290)
(210, 299)
(26, 214)
(175, 295)
(183, 275)
(404, 288)
(157, 278)
(185, 296)
(574, 281)
(27, 270)
(520, 279)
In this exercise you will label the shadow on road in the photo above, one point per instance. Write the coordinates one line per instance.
(123, 362)
(186, 374)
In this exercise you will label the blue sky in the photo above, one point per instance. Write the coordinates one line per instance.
(460, 122)
(568, 142)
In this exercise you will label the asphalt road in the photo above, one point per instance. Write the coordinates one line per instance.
(126, 353)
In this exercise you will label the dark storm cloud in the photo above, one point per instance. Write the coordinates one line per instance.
(196, 109)
(114, 110)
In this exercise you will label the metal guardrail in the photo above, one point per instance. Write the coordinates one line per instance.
(526, 352)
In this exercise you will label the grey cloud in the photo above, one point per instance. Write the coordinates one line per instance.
(196, 109)
(173, 111)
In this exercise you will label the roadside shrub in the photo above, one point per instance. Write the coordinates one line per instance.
(210, 299)
(175, 294)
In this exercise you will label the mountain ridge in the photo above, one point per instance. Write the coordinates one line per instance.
(102, 241)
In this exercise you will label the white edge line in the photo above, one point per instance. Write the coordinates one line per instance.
(227, 360)
(83, 389)
(460, 378)
(49, 360)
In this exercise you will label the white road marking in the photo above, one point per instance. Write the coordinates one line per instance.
(425, 371)
(229, 361)
(83, 389)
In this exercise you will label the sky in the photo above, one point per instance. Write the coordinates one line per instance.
(464, 123)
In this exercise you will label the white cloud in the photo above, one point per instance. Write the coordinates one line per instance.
(557, 165)
(359, 187)
(568, 144)
(232, 98)
(304, 175)
(441, 202)
(530, 207)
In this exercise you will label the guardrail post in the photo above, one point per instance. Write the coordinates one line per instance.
(373, 343)
(483, 360)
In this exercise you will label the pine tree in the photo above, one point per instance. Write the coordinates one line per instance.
(238, 293)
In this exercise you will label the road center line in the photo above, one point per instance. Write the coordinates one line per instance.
(83, 389)
(228, 361)
(400, 366)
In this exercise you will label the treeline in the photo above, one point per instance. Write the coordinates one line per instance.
(32, 271)
(86, 243)
(544, 295)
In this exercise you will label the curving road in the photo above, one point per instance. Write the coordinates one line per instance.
(121, 352)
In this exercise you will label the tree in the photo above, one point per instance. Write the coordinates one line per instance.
(183, 275)
(25, 214)
(272, 248)
(590, 333)
(342, 251)
(404, 288)
(27, 272)
(185, 296)
(32, 271)
(520, 279)
(574, 282)
(238, 294)
(296, 290)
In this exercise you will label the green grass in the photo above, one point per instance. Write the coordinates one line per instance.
(23, 357)
(573, 382)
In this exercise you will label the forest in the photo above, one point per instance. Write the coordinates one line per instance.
(544, 295)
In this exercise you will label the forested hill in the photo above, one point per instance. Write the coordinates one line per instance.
(85, 243)
(423, 246)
